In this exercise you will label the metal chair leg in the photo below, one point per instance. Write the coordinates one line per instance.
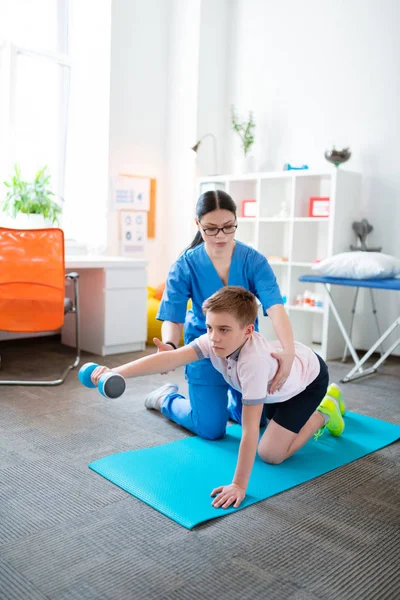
(74, 277)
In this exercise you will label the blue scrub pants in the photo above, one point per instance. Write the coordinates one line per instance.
(206, 411)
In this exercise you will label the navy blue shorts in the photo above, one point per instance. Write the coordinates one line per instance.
(294, 413)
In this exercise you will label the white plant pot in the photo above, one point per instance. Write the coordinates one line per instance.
(23, 221)
(249, 164)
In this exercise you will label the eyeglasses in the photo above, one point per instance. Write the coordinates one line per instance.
(227, 230)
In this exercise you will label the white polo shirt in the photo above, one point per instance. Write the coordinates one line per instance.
(251, 368)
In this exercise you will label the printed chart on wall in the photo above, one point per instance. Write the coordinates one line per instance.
(133, 233)
(134, 199)
(132, 192)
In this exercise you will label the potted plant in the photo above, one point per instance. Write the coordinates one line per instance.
(31, 204)
(245, 130)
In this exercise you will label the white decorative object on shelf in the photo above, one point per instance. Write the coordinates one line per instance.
(284, 212)
(249, 164)
(283, 231)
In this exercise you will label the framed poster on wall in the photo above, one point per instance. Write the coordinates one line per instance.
(137, 192)
(133, 233)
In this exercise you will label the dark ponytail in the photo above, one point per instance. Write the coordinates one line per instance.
(208, 202)
(197, 240)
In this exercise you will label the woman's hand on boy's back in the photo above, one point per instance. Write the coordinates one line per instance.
(285, 361)
(226, 495)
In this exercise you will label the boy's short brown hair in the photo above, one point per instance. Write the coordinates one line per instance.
(234, 300)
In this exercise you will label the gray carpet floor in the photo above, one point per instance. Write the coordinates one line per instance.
(68, 534)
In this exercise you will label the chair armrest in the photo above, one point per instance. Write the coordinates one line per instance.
(72, 275)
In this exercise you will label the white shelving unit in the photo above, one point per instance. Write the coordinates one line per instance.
(299, 239)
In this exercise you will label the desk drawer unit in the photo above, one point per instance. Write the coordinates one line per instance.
(125, 309)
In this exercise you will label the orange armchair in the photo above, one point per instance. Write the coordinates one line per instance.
(32, 287)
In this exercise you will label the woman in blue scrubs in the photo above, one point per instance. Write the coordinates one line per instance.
(214, 259)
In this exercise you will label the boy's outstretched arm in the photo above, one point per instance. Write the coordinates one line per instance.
(156, 363)
(236, 491)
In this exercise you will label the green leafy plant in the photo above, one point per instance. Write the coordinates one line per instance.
(245, 130)
(31, 198)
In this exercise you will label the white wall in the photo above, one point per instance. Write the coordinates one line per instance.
(213, 101)
(153, 114)
(318, 73)
(182, 126)
(138, 108)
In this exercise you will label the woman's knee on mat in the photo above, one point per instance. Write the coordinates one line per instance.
(211, 431)
(211, 424)
(209, 410)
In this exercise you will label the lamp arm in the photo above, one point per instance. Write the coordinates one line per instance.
(215, 150)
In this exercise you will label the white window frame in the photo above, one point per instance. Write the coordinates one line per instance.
(8, 73)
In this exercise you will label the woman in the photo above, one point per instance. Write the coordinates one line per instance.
(214, 259)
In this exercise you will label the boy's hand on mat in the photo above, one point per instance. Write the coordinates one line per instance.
(285, 361)
(227, 495)
(97, 373)
(162, 348)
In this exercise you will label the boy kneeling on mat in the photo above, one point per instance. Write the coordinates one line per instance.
(303, 407)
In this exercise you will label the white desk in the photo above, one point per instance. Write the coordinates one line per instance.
(113, 304)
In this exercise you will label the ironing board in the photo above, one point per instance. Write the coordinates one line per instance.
(382, 284)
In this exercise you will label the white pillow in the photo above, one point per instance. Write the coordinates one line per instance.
(359, 265)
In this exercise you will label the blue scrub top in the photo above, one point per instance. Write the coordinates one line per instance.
(194, 276)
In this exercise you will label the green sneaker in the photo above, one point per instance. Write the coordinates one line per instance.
(334, 391)
(335, 425)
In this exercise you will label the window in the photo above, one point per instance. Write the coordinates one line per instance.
(34, 83)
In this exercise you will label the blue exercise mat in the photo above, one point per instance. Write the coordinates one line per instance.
(177, 478)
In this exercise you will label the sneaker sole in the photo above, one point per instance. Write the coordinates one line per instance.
(335, 425)
(166, 390)
(337, 394)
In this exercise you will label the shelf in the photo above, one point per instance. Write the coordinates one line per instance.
(247, 230)
(283, 220)
(274, 220)
(310, 241)
(289, 263)
(281, 227)
(266, 175)
(274, 239)
(316, 310)
(306, 265)
(311, 219)
(276, 263)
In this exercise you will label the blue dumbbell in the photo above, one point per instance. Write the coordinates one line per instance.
(111, 385)
(289, 167)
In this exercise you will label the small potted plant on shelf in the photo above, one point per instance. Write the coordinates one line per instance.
(32, 205)
(245, 130)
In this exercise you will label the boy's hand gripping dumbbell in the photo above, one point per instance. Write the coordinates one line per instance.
(109, 384)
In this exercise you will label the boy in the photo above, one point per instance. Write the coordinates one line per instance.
(296, 412)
